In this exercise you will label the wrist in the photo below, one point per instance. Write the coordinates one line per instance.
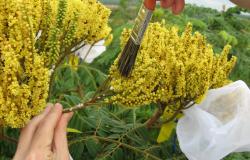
(242, 3)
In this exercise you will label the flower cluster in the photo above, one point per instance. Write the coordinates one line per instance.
(70, 22)
(170, 68)
(24, 78)
(34, 36)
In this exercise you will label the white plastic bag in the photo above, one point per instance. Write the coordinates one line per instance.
(218, 126)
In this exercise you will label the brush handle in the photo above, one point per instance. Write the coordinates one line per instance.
(141, 24)
(150, 4)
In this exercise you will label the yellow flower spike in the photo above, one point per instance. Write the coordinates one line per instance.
(108, 40)
(222, 68)
(170, 68)
(33, 35)
(81, 21)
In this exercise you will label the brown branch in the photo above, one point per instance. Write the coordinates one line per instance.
(82, 105)
(67, 52)
(99, 94)
(77, 107)
(7, 138)
(58, 63)
(52, 77)
(159, 112)
(156, 116)
(76, 49)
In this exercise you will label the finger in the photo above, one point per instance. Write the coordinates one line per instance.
(60, 137)
(178, 6)
(45, 132)
(28, 132)
(166, 3)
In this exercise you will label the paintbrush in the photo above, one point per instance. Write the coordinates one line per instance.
(129, 53)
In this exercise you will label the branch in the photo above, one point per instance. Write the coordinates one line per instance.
(143, 152)
(67, 52)
(79, 107)
(99, 94)
(182, 107)
(159, 112)
(7, 138)
(52, 77)
(156, 116)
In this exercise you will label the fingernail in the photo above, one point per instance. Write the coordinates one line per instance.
(47, 109)
(58, 106)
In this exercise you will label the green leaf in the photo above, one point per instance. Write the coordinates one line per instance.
(72, 130)
(93, 147)
(118, 154)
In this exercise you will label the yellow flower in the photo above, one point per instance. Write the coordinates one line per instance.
(170, 68)
(108, 40)
(71, 22)
(34, 35)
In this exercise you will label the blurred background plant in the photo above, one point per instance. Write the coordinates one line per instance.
(117, 133)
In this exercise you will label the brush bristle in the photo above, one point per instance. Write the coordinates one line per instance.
(128, 57)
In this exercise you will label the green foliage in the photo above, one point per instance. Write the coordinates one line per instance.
(238, 156)
(231, 11)
(8, 147)
(113, 133)
(227, 38)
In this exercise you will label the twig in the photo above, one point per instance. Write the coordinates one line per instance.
(7, 138)
(86, 55)
(160, 111)
(52, 77)
(131, 130)
(191, 104)
(81, 106)
(59, 62)
(146, 154)
(67, 52)
(112, 151)
(76, 49)
(143, 152)
(99, 94)
(156, 116)
(75, 108)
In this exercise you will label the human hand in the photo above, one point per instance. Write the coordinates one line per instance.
(242, 3)
(45, 137)
(176, 5)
